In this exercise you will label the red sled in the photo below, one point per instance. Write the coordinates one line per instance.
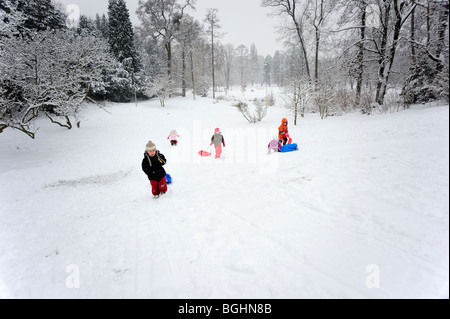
(290, 139)
(204, 153)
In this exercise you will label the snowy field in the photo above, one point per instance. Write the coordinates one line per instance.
(361, 211)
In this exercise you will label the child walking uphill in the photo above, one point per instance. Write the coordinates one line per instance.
(218, 140)
(152, 165)
(173, 138)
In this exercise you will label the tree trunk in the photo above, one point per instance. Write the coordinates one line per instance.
(242, 72)
(3, 127)
(291, 12)
(192, 74)
(183, 73)
(212, 61)
(305, 54)
(360, 57)
(317, 27)
(316, 58)
(413, 39)
(443, 24)
(168, 47)
(379, 98)
(296, 101)
(392, 52)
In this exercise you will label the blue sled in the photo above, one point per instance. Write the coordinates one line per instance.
(289, 148)
(168, 179)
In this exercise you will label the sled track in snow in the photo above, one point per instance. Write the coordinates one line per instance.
(91, 180)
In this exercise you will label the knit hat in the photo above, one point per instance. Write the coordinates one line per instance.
(217, 130)
(150, 147)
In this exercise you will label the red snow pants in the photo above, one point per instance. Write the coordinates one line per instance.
(160, 187)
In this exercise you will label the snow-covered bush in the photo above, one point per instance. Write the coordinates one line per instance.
(49, 72)
(162, 88)
(296, 96)
(442, 85)
(116, 84)
(254, 115)
(418, 87)
(324, 97)
(270, 99)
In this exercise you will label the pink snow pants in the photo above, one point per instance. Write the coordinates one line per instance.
(218, 150)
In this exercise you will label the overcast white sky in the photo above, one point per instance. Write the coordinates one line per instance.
(243, 21)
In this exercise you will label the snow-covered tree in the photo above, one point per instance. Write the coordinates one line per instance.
(49, 73)
(189, 33)
(254, 69)
(104, 26)
(121, 35)
(11, 20)
(428, 38)
(385, 39)
(242, 55)
(101, 24)
(267, 70)
(277, 68)
(162, 88)
(297, 87)
(229, 54)
(354, 20)
(40, 15)
(87, 26)
(161, 19)
(295, 13)
(149, 53)
(212, 22)
(296, 95)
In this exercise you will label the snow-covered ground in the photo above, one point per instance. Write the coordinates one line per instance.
(361, 211)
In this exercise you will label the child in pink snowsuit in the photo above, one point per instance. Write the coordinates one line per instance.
(274, 145)
(173, 138)
(218, 141)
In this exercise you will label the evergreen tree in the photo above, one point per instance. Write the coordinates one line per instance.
(98, 23)
(277, 76)
(267, 70)
(104, 27)
(87, 26)
(254, 64)
(40, 14)
(418, 87)
(121, 35)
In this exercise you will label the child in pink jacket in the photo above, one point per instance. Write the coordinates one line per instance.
(274, 145)
(173, 138)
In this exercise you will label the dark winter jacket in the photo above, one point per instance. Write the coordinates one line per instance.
(153, 166)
